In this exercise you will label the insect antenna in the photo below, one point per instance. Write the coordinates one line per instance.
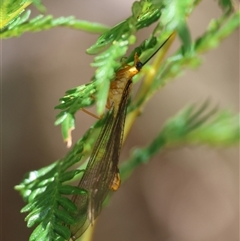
(157, 49)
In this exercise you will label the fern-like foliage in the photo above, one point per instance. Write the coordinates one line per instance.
(46, 204)
(46, 191)
(195, 125)
(11, 10)
(176, 64)
(15, 20)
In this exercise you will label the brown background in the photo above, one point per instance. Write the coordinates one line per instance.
(185, 194)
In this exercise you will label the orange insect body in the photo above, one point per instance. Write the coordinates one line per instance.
(118, 85)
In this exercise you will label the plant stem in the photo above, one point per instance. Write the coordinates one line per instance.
(149, 77)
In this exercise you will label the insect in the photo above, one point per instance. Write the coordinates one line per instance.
(102, 173)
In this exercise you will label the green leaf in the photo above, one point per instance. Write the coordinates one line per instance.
(70, 175)
(38, 4)
(67, 204)
(34, 204)
(40, 233)
(62, 231)
(36, 216)
(63, 215)
(67, 189)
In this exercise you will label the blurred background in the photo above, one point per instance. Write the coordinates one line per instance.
(184, 194)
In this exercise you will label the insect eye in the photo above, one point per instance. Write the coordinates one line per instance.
(139, 65)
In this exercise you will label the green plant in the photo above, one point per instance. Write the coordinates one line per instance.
(193, 125)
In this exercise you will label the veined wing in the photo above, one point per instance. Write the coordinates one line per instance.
(102, 169)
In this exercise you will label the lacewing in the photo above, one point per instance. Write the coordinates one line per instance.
(102, 173)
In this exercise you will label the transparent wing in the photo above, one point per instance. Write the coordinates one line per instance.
(102, 168)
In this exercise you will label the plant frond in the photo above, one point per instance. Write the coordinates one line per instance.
(193, 125)
(22, 25)
(46, 206)
(73, 100)
(174, 66)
